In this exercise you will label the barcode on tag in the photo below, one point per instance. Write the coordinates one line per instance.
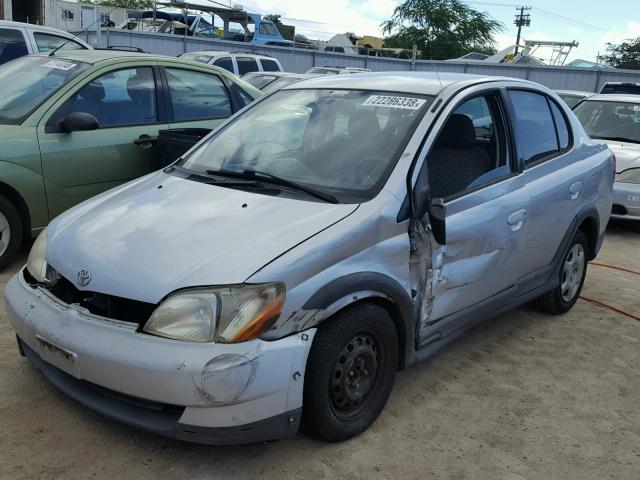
(406, 103)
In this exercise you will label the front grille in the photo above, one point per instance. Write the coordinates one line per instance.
(109, 306)
(618, 209)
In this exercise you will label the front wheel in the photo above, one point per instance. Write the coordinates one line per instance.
(350, 372)
(572, 274)
(10, 231)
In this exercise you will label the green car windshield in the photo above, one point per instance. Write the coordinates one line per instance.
(29, 81)
(341, 142)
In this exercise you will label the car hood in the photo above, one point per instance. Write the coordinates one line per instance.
(162, 233)
(627, 154)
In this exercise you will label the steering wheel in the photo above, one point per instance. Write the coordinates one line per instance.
(368, 170)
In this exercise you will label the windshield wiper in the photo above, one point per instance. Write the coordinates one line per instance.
(616, 139)
(275, 180)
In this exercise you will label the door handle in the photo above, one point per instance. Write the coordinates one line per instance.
(516, 219)
(574, 190)
(145, 141)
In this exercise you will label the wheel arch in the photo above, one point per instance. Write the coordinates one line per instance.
(589, 225)
(372, 287)
(19, 202)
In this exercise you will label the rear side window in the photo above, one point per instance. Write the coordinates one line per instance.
(535, 133)
(12, 45)
(246, 65)
(224, 62)
(269, 65)
(561, 125)
(47, 43)
(197, 95)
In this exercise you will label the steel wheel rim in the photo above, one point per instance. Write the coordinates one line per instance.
(572, 271)
(355, 374)
(5, 234)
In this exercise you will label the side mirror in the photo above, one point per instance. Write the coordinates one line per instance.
(437, 219)
(79, 122)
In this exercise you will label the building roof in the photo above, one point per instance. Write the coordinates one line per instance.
(424, 83)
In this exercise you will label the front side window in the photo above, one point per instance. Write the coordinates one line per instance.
(47, 43)
(39, 78)
(246, 65)
(343, 142)
(224, 62)
(269, 65)
(471, 149)
(197, 96)
(117, 99)
(610, 120)
(267, 29)
(12, 45)
(535, 132)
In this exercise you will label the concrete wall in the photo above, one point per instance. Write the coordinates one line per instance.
(299, 60)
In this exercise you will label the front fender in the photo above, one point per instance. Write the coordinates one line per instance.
(29, 186)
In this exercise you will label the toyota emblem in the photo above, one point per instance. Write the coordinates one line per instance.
(84, 277)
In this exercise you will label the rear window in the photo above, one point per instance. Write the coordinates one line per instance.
(12, 45)
(259, 81)
(269, 65)
(631, 88)
(246, 65)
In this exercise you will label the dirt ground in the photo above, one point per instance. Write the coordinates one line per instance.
(523, 396)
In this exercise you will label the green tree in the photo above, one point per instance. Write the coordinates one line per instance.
(441, 29)
(128, 4)
(623, 55)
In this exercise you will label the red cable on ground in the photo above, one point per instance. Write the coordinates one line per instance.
(615, 267)
(615, 309)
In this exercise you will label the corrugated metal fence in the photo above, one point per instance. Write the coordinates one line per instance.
(300, 60)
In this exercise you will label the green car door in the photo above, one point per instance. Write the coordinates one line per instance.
(126, 101)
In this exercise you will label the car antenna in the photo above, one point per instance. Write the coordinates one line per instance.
(84, 30)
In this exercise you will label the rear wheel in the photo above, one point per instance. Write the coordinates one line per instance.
(572, 274)
(10, 231)
(350, 372)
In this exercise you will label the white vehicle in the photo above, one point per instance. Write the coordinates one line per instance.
(239, 63)
(19, 39)
(573, 97)
(336, 70)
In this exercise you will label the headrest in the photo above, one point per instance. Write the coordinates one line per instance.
(458, 132)
(363, 123)
(139, 88)
(93, 91)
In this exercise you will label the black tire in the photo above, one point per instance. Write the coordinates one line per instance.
(9, 212)
(354, 358)
(557, 301)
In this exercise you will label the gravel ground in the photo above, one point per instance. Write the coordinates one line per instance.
(522, 396)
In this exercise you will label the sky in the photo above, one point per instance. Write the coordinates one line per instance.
(592, 23)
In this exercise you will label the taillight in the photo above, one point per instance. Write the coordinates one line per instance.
(615, 162)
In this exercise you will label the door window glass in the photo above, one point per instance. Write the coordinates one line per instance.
(48, 43)
(197, 95)
(536, 135)
(267, 29)
(116, 99)
(561, 125)
(224, 62)
(246, 65)
(12, 45)
(269, 65)
(471, 149)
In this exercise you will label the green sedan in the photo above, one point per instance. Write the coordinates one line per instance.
(79, 123)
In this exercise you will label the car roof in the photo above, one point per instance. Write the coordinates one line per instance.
(577, 93)
(622, 83)
(615, 97)
(423, 83)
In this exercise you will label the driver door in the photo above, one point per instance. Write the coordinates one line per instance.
(79, 165)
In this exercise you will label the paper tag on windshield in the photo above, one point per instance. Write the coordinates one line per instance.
(406, 103)
(636, 108)
(60, 65)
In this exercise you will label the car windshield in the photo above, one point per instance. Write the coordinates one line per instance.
(610, 120)
(341, 142)
(39, 78)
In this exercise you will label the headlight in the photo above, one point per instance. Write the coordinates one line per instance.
(37, 265)
(222, 314)
(630, 175)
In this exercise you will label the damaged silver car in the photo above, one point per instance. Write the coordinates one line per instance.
(324, 238)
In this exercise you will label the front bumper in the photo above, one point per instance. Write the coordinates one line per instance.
(202, 392)
(626, 201)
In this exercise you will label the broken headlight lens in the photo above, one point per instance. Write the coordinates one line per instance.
(631, 175)
(220, 314)
(37, 265)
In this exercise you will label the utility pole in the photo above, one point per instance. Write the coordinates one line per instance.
(521, 20)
